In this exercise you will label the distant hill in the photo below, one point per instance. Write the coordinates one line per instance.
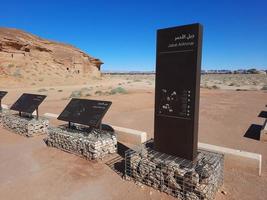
(29, 59)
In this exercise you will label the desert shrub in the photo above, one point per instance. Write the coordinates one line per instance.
(204, 85)
(137, 80)
(85, 91)
(234, 84)
(17, 73)
(10, 65)
(231, 84)
(241, 89)
(42, 90)
(40, 79)
(96, 78)
(118, 90)
(252, 71)
(76, 94)
(264, 87)
(80, 93)
(210, 87)
(215, 87)
(98, 92)
(60, 90)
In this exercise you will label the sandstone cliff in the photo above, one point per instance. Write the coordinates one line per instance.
(29, 59)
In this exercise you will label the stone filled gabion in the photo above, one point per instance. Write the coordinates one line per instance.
(178, 177)
(2, 111)
(24, 126)
(91, 145)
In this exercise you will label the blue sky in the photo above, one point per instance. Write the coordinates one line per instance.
(123, 33)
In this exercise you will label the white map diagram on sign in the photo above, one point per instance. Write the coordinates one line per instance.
(174, 103)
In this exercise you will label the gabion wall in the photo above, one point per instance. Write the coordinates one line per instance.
(178, 177)
(1, 114)
(24, 126)
(91, 145)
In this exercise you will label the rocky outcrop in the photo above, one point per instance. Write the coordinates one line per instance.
(24, 56)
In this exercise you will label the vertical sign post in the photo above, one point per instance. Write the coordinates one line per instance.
(178, 69)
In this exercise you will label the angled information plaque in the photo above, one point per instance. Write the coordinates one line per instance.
(178, 67)
(28, 103)
(2, 94)
(85, 112)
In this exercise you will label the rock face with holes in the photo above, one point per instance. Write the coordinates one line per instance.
(93, 144)
(175, 176)
(31, 59)
(24, 126)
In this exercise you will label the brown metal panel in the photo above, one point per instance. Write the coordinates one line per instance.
(85, 111)
(178, 67)
(28, 103)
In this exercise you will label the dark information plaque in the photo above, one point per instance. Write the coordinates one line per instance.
(2, 94)
(28, 103)
(85, 112)
(178, 67)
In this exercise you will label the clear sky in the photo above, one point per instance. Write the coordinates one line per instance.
(123, 33)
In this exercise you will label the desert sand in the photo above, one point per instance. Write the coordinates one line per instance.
(30, 170)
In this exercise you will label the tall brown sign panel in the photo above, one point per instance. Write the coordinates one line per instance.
(178, 68)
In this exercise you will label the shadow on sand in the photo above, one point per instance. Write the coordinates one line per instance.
(117, 164)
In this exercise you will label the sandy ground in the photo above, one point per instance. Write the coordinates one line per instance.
(30, 170)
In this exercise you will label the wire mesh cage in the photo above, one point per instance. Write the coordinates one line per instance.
(89, 145)
(181, 178)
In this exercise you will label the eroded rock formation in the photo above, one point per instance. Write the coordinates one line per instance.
(31, 58)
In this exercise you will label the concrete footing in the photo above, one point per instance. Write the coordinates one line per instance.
(130, 136)
(252, 161)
